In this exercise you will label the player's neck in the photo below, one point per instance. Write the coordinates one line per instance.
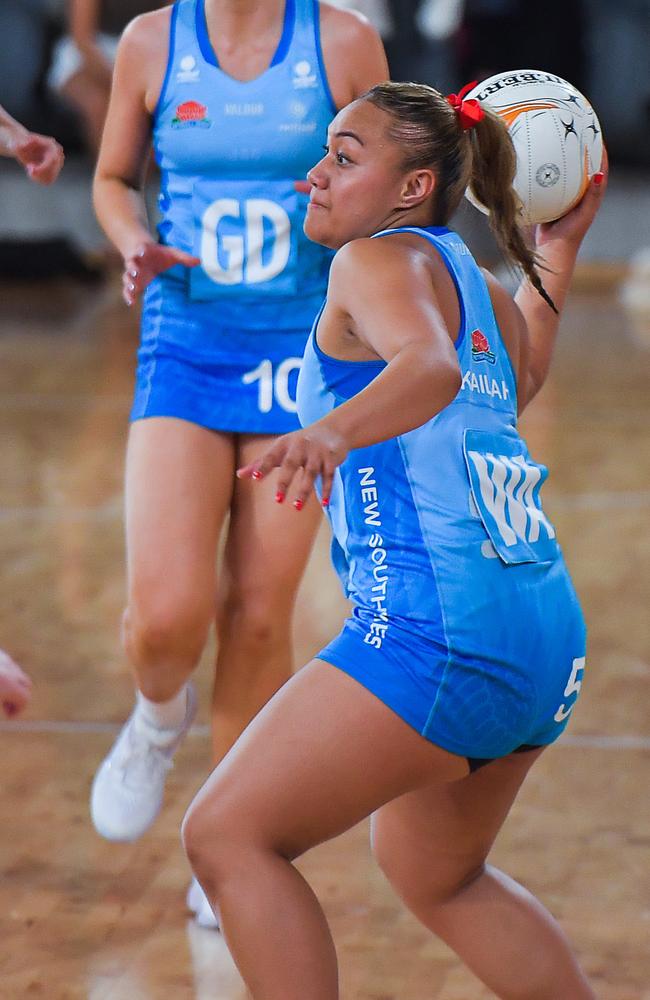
(236, 20)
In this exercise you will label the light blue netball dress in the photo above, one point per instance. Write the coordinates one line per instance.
(465, 621)
(221, 343)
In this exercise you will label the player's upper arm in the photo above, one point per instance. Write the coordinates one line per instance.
(353, 51)
(137, 78)
(514, 333)
(385, 288)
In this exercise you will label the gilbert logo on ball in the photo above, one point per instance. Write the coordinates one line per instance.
(556, 135)
(191, 114)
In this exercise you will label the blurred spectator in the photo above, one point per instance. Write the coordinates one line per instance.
(417, 35)
(82, 61)
(40, 155)
(498, 35)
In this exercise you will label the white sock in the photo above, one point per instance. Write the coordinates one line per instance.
(162, 714)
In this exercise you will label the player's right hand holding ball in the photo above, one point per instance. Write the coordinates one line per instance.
(150, 260)
(573, 226)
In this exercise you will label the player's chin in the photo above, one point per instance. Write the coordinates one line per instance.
(318, 227)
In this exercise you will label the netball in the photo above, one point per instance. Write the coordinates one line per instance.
(556, 135)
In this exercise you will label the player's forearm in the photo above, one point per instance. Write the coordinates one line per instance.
(121, 213)
(543, 324)
(11, 132)
(411, 390)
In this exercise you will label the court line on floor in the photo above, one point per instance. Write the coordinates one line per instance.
(595, 741)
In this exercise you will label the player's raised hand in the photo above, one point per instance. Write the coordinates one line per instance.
(15, 686)
(41, 156)
(301, 458)
(150, 260)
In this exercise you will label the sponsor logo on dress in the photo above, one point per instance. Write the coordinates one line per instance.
(298, 110)
(191, 114)
(303, 77)
(244, 109)
(481, 348)
(378, 559)
(189, 71)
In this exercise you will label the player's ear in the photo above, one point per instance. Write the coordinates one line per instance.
(418, 185)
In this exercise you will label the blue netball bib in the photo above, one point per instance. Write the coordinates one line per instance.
(230, 153)
(245, 233)
(505, 485)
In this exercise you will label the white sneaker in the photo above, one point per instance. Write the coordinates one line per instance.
(199, 904)
(127, 791)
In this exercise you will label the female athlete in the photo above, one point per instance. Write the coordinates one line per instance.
(465, 652)
(239, 94)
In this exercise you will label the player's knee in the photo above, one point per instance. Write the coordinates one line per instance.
(256, 615)
(424, 885)
(162, 630)
(215, 840)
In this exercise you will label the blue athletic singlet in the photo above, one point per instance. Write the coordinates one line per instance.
(465, 620)
(222, 342)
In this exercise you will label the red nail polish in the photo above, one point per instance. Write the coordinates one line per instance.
(299, 504)
(279, 497)
(325, 501)
(599, 177)
(258, 475)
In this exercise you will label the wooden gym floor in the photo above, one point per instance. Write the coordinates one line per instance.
(82, 918)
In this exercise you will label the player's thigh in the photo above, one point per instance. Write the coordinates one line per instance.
(268, 543)
(179, 481)
(321, 755)
(434, 838)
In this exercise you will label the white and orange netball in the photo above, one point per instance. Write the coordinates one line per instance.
(556, 135)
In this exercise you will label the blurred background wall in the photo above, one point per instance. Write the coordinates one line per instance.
(600, 46)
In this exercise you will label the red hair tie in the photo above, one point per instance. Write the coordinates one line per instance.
(469, 112)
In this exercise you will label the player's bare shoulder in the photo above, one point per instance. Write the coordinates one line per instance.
(353, 52)
(148, 33)
(143, 51)
(378, 268)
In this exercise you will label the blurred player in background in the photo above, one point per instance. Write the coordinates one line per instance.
(40, 155)
(239, 96)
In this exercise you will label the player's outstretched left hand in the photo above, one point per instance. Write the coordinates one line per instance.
(301, 457)
(41, 156)
(15, 686)
(148, 261)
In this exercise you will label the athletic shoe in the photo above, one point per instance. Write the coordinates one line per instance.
(127, 792)
(199, 904)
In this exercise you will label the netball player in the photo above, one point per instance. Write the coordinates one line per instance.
(42, 158)
(239, 96)
(465, 652)
(40, 155)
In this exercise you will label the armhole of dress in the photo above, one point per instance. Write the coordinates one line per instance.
(319, 54)
(462, 326)
(170, 61)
